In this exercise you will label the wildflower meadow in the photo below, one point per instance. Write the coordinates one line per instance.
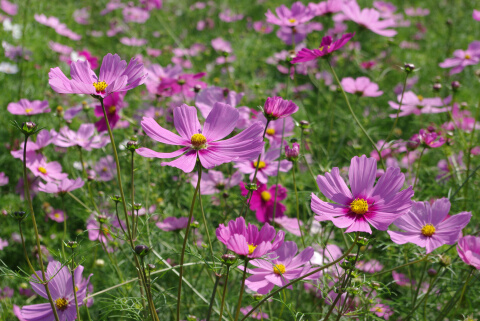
(238, 160)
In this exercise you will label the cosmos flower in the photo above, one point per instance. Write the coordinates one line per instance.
(85, 137)
(248, 240)
(417, 104)
(135, 14)
(207, 97)
(326, 7)
(44, 138)
(61, 290)
(468, 249)
(282, 266)
(101, 227)
(463, 58)
(8, 7)
(263, 201)
(105, 168)
(476, 14)
(173, 224)
(115, 76)
(277, 107)
(47, 171)
(267, 166)
(27, 107)
(362, 87)
(206, 143)
(430, 226)
(365, 204)
(368, 18)
(113, 104)
(382, 310)
(285, 17)
(3, 179)
(427, 139)
(214, 182)
(255, 314)
(327, 46)
(57, 215)
(61, 187)
(275, 129)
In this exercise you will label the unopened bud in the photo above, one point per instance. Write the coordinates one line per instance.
(102, 218)
(226, 91)
(229, 259)
(71, 244)
(137, 206)
(141, 250)
(181, 82)
(99, 262)
(116, 198)
(59, 111)
(132, 145)
(151, 267)
(191, 318)
(194, 224)
(409, 67)
(304, 124)
(432, 272)
(455, 85)
(445, 260)
(197, 88)
(19, 215)
(251, 187)
(437, 86)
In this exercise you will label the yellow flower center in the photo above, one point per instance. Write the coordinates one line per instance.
(28, 110)
(251, 248)
(428, 230)
(42, 170)
(61, 304)
(359, 206)
(278, 269)
(467, 56)
(266, 196)
(112, 109)
(292, 20)
(420, 97)
(270, 131)
(57, 215)
(104, 169)
(198, 141)
(100, 86)
(260, 165)
(106, 231)
(76, 288)
(323, 47)
(378, 309)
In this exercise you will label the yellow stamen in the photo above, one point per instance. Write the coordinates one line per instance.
(260, 164)
(28, 110)
(292, 20)
(198, 141)
(420, 97)
(378, 309)
(270, 131)
(278, 269)
(100, 86)
(322, 47)
(76, 288)
(61, 304)
(359, 206)
(266, 196)
(42, 170)
(467, 56)
(56, 215)
(428, 230)
(251, 248)
(112, 109)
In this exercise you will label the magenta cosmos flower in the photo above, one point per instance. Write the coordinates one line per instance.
(430, 226)
(215, 182)
(277, 107)
(476, 15)
(206, 98)
(263, 201)
(417, 104)
(85, 138)
(115, 76)
(267, 166)
(3, 179)
(27, 107)
(248, 240)
(468, 248)
(61, 187)
(463, 58)
(369, 18)
(365, 204)
(327, 46)
(61, 290)
(362, 86)
(206, 143)
(113, 104)
(282, 266)
(285, 17)
(47, 171)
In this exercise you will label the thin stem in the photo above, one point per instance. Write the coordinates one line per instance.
(224, 293)
(79, 201)
(64, 225)
(85, 176)
(278, 174)
(353, 114)
(73, 284)
(242, 289)
(37, 237)
(182, 257)
(418, 167)
(25, 250)
(212, 300)
(134, 225)
(298, 205)
(419, 283)
(302, 277)
(205, 224)
(454, 300)
(400, 266)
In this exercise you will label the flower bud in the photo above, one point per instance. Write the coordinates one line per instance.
(181, 82)
(225, 195)
(59, 111)
(191, 318)
(408, 67)
(19, 215)
(292, 153)
(445, 260)
(437, 86)
(229, 259)
(226, 91)
(304, 124)
(257, 296)
(28, 128)
(432, 272)
(151, 267)
(71, 244)
(132, 145)
(116, 198)
(102, 218)
(194, 224)
(137, 206)
(455, 85)
(251, 187)
(141, 250)
(99, 262)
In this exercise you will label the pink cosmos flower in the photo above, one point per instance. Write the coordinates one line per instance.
(277, 107)
(151, 4)
(292, 153)
(289, 224)
(382, 310)
(255, 314)
(81, 16)
(327, 46)
(44, 138)
(3, 179)
(115, 75)
(61, 187)
(105, 168)
(82, 55)
(262, 27)
(263, 201)
(266, 167)
(414, 12)
(183, 84)
(461, 119)
(206, 98)
(214, 182)
(206, 143)
(100, 227)
(326, 7)
(113, 104)
(282, 266)
(57, 215)
(462, 58)
(365, 204)
(401, 279)
(248, 240)
(476, 14)
(430, 226)
(362, 86)
(3, 244)
(370, 266)
(368, 18)
(58, 47)
(27, 107)
(468, 249)
(427, 139)
(290, 17)
(157, 73)
(286, 34)
(417, 104)
(85, 138)
(135, 14)
(8, 7)
(447, 167)
(229, 16)
(220, 44)
(47, 171)
(61, 290)
(275, 128)
(173, 224)
(133, 42)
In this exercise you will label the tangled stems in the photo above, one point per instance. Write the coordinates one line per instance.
(303, 277)
(242, 289)
(298, 206)
(37, 238)
(182, 257)
(353, 114)
(224, 293)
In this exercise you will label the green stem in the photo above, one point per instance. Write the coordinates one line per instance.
(182, 257)
(418, 167)
(454, 300)
(134, 224)
(25, 250)
(224, 293)
(242, 289)
(212, 299)
(205, 224)
(298, 205)
(400, 266)
(353, 114)
(278, 172)
(419, 284)
(73, 284)
(64, 226)
(89, 187)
